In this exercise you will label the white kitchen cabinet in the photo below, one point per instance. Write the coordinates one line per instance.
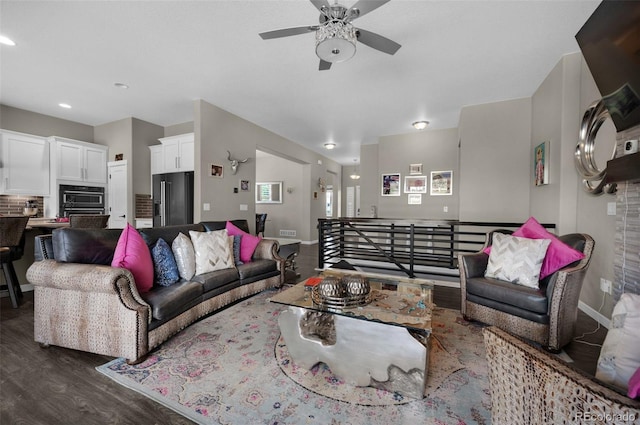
(77, 161)
(156, 159)
(24, 164)
(177, 154)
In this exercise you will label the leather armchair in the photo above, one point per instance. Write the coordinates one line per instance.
(546, 315)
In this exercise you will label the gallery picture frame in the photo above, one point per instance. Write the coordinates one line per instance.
(390, 184)
(415, 169)
(244, 186)
(216, 171)
(541, 164)
(415, 184)
(441, 183)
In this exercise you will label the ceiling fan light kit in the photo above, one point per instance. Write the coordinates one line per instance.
(336, 41)
(335, 35)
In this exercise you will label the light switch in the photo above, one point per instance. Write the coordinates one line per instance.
(611, 208)
(244, 207)
(206, 206)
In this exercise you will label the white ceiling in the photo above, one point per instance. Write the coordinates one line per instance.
(454, 53)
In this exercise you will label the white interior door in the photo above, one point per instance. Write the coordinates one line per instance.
(117, 196)
(351, 202)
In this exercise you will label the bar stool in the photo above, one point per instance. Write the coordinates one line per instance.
(260, 222)
(89, 221)
(11, 249)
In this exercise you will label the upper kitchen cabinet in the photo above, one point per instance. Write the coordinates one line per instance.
(175, 154)
(77, 161)
(24, 164)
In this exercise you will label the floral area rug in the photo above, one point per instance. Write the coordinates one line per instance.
(233, 368)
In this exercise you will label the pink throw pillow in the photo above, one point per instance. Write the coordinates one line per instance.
(634, 385)
(133, 254)
(558, 255)
(248, 243)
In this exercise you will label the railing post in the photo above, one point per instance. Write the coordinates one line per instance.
(411, 250)
(341, 239)
(321, 243)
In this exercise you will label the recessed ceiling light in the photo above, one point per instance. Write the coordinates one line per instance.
(6, 40)
(420, 125)
(64, 105)
(329, 145)
(121, 85)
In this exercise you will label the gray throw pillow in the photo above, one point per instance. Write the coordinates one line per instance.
(185, 256)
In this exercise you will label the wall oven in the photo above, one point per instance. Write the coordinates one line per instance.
(81, 200)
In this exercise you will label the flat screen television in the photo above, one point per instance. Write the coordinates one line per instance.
(610, 44)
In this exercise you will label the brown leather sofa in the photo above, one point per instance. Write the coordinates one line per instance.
(83, 303)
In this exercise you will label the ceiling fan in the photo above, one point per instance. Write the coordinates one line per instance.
(335, 35)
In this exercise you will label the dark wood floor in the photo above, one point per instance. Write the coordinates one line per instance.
(60, 386)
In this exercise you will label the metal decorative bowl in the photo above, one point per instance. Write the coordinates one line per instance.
(335, 293)
(356, 285)
(330, 287)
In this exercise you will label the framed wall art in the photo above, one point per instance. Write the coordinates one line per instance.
(541, 164)
(244, 185)
(391, 184)
(415, 184)
(217, 170)
(415, 168)
(414, 199)
(441, 183)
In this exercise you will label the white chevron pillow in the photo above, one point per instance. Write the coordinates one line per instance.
(214, 250)
(517, 260)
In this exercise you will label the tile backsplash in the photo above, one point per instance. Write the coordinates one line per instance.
(13, 204)
(144, 206)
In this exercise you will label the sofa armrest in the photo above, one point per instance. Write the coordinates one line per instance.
(474, 264)
(87, 278)
(43, 247)
(267, 249)
(529, 385)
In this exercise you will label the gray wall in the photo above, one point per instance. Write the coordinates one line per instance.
(288, 214)
(494, 179)
(144, 134)
(178, 129)
(132, 138)
(436, 150)
(369, 175)
(217, 131)
(43, 125)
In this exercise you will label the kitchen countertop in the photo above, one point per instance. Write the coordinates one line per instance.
(45, 223)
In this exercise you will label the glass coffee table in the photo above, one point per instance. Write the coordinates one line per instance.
(381, 340)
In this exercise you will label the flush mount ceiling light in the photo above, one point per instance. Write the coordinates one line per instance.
(420, 125)
(355, 175)
(6, 41)
(121, 86)
(64, 105)
(329, 145)
(335, 41)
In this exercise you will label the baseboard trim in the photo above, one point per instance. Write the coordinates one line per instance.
(594, 314)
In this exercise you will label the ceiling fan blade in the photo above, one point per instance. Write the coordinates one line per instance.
(324, 65)
(376, 41)
(321, 5)
(362, 7)
(286, 32)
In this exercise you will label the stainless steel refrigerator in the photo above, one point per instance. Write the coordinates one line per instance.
(172, 199)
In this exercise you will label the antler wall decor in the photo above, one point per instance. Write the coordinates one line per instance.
(235, 163)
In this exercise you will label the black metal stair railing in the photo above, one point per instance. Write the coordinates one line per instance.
(414, 247)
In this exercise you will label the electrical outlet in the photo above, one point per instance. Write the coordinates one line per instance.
(445, 209)
(206, 206)
(605, 285)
